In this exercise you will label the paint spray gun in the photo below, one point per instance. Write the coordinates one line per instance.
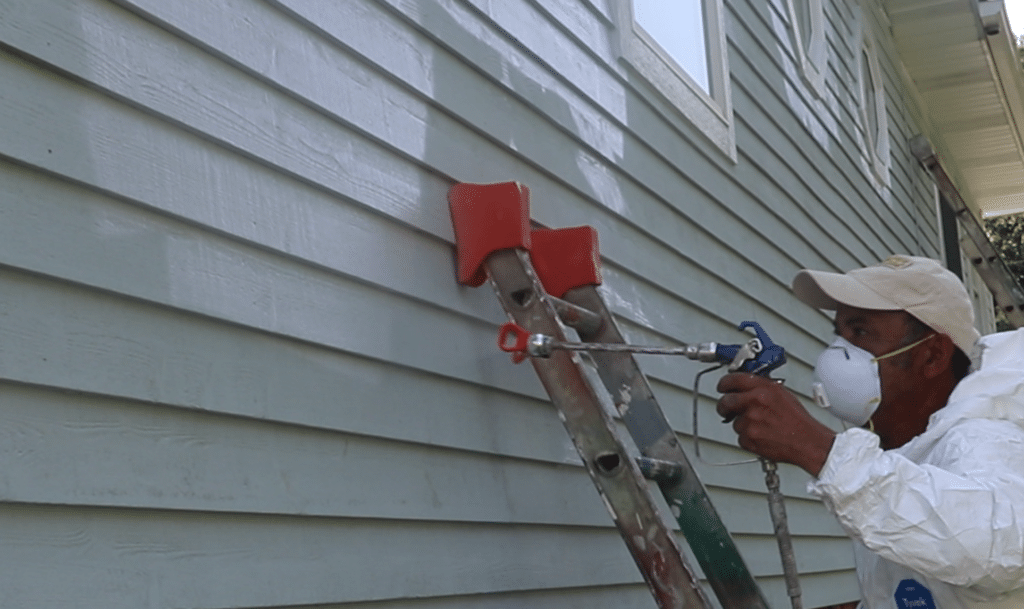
(759, 355)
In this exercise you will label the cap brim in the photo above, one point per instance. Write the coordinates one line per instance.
(823, 290)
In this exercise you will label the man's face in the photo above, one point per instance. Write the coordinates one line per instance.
(881, 332)
(878, 332)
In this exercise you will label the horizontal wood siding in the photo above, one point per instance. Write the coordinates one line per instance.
(235, 368)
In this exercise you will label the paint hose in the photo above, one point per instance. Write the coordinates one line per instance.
(777, 509)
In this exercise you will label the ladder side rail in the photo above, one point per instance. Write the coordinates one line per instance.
(617, 477)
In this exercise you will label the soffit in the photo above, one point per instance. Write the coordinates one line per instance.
(963, 63)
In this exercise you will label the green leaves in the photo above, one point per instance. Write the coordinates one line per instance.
(1007, 235)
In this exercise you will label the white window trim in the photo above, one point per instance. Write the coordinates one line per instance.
(712, 114)
(812, 54)
(874, 146)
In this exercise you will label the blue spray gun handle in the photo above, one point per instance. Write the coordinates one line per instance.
(757, 356)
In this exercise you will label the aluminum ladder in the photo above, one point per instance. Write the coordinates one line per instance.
(545, 280)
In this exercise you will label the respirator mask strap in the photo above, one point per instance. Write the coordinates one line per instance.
(875, 360)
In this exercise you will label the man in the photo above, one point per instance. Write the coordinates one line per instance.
(931, 488)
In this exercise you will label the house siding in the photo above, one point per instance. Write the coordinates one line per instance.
(235, 367)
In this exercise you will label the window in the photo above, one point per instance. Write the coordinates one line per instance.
(808, 17)
(874, 120)
(678, 27)
(949, 233)
(678, 47)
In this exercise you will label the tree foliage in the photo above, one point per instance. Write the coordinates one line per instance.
(1007, 235)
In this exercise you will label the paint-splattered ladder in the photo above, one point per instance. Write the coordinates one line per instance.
(545, 280)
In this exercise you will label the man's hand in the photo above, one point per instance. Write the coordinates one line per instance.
(771, 422)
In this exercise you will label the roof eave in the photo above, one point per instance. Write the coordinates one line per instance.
(961, 58)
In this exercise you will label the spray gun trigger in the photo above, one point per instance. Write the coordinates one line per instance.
(746, 353)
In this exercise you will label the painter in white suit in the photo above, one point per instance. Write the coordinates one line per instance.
(929, 480)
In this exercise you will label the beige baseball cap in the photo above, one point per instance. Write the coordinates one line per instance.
(919, 286)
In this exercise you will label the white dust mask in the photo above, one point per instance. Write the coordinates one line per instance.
(846, 380)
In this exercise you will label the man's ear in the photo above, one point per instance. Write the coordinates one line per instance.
(938, 354)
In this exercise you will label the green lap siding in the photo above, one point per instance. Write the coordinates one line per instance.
(235, 367)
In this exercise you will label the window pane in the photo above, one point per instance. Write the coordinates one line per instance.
(678, 26)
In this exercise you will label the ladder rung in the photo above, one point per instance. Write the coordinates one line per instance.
(576, 317)
(659, 469)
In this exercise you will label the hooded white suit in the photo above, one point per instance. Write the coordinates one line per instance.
(940, 520)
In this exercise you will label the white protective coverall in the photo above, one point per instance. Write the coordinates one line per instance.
(941, 519)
